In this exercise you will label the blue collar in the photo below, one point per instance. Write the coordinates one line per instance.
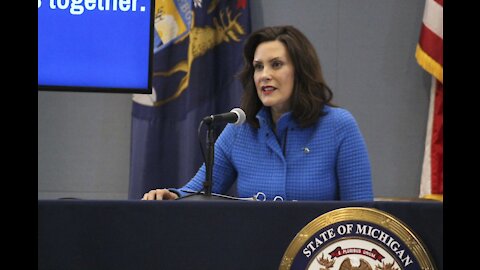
(264, 117)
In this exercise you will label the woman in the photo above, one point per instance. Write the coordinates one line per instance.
(297, 145)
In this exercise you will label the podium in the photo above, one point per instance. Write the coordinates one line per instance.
(84, 234)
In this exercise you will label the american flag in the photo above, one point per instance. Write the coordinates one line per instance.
(429, 55)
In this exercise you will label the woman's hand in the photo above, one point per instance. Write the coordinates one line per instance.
(159, 194)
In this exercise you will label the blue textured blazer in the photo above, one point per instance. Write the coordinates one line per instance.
(326, 161)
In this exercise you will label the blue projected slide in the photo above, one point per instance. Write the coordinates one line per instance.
(95, 45)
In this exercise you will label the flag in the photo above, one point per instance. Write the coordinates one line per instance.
(197, 53)
(429, 55)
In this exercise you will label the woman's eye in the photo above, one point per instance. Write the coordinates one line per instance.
(257, 67)
(276, 64)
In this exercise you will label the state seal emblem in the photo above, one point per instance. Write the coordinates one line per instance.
(356, 238)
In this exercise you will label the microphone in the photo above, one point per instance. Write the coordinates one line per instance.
(236, 116)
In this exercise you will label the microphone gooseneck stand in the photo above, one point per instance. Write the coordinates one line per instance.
(207, 185)
(209, 162)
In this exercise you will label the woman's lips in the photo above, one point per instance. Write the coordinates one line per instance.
(268, 89)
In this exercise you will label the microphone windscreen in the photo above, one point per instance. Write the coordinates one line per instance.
(241, 116)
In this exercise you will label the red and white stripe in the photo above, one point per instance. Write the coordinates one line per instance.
(429, 54)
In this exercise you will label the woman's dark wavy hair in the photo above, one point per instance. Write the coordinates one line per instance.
(310, 92)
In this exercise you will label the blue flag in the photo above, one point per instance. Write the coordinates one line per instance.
(198, 52)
